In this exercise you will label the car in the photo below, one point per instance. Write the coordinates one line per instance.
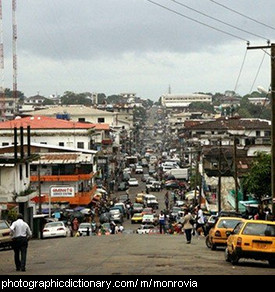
(85, 228)
(252, 239)
(144, 177)
(133, 182)
(154, 186)
(148, 219)
(121, 205)
(218, 233)
(139, 198)
(136, 218)
(5, 237)
(147, 211)
(174, 212)
(123, 186)
(55, 229)
(126, 176)
(139, 169)
(123, 198)
(137, 208)
(104, 218)
(151, 201)
(171, 184)
(145, 229)
(116, 216)
(211, 221)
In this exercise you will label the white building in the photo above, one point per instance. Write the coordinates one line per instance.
(51, 131)
(183, 100)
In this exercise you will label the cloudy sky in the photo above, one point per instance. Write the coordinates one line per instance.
(114, 46)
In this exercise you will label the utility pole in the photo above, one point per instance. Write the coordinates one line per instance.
(220, 177)
(14, 52)
(236, 175)
(272, 47)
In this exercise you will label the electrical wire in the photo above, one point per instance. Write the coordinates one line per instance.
(257, 74)
(218, 20)
(243, 15)
(197, 21)
(237, 81)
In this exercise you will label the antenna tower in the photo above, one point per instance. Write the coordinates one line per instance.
(14, 45)
(2, 92)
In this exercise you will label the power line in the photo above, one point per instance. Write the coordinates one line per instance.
(258, 71)
(243, 15)
(216, 19)
(240, 71)
(197, 21)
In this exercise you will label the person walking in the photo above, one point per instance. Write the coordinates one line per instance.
(187, 225)
(20, 232)
(161, 222)
(200, 221)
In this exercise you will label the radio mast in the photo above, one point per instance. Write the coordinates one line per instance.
(14, 46)
(2, 91)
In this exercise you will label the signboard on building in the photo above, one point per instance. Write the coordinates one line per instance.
(62, 191)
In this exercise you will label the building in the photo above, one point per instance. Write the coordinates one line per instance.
(78, 113)
(45, 130)
(183, 100)
(8, 107)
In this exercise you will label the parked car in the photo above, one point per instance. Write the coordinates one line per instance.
(116, 216)
(55, 229)
(86, 227)
(174, 213)
(136, 218)
(171, 184)
(145, 229)
(218, 233)
(133, 182)
(253, 239)
(148, 219)
(154, 186)
(123, 186)
(5, 237)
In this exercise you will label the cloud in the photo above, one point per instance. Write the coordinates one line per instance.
(119, 45)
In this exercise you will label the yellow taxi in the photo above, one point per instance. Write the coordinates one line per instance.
(137, 218)
(254, 239)
(139, 198)
(218, 233)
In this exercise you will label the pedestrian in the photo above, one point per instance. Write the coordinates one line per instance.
(20, 232)
(200, 222)
(161, 222)
(187, 225)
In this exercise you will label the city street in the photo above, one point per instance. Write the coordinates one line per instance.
(127, 254)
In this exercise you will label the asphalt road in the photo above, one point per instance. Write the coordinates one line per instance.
(127, 254)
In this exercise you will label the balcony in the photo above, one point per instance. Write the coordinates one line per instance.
(53, 178)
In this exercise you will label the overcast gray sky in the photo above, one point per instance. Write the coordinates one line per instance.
(114, 46)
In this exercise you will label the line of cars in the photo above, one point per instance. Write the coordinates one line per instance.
(242, 238)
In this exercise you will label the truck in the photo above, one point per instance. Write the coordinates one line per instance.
(179, 173)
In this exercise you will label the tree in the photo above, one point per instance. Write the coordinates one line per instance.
(258, 180)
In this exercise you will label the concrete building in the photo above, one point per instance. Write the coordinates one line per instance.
(183, 100)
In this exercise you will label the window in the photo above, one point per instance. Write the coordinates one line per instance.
(5, 144)
(267, 133)
(43, 143)
(101, 120)
(61, 144)
(82, 120)
(258, 133)
(80, 145)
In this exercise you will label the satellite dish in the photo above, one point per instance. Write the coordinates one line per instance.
(262, 90)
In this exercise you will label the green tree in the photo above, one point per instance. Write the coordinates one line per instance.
(258, 180)
(202, 106)
(48, 101)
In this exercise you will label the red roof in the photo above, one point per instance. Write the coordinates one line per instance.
(42, 122)
(102, 126)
